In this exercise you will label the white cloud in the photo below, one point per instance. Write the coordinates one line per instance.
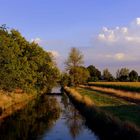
(137, 21)
(37, 40)
(54, 53)
(116, 47)
(117, 56)
(120, 56)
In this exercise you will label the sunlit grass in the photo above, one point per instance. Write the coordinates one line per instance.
(124, 110)
(14, 100)
(128, 86)
(97, 113)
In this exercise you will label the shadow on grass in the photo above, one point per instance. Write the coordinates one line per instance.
(126, 113)
(105, 125)
(137, 101)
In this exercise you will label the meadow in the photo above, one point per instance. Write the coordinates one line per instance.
(100, 113)
(122, 109)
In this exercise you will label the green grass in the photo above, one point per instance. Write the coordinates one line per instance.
(124, 110)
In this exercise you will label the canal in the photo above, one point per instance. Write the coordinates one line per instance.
(47, 118)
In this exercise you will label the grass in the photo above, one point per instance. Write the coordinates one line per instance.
(124, 110)
(9, 102)
(100, 121)
(127, 86)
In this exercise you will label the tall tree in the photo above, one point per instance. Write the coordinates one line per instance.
(95, 74)
(122, 74)
(139, 78)
(24, 65)
(133, 76)
(107, 75)
(75, 59)
(73, 65)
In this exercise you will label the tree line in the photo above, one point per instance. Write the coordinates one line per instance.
(76, 73)
(24, 65)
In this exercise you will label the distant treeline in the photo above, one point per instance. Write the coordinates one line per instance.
(24, 65)
(77, 74)
(123, 75)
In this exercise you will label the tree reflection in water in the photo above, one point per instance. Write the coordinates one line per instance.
(74, 120)
(40, 115)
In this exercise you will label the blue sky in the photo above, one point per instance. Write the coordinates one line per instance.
(94, 26)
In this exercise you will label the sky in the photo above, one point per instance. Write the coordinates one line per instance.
(107, 32)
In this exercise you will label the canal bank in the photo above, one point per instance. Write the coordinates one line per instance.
(105, 125)
(12, 102)
(47, 117)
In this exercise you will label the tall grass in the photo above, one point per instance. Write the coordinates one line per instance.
(127, 86)
(10, 102)
(105, 124)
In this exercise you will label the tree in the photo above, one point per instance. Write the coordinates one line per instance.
(133, 76)
(107, 75)
(95, 74)
(139, 78)
(122, 74)
(73, 63)
(75, 59)
(78, 75)
(65, 80)
(24, 65)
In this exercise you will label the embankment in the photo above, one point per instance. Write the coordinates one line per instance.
(11, 102)
(106, 125)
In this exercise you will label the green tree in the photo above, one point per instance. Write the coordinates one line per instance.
(78, 75)
(95, 74)
(122, 74)
(65, 80)
(133, 76)
(74, 61)
(139, 78)
(107, 75)
(24, 65)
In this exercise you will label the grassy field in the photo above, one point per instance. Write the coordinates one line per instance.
(101, 120)
(127, 86)
(124, 110)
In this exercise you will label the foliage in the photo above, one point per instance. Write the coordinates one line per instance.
(95, 74)
(24, 65)
(133, 76)
(107, 75)
(78, 74)
(122, 74)
(75, 59)
(65, 80)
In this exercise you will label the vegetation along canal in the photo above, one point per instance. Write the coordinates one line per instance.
(47, 118)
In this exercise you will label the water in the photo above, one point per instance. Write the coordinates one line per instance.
(47, 118)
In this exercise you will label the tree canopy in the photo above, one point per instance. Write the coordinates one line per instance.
(95, 74)
(23, 64)
(78, 74)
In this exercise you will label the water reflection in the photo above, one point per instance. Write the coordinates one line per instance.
(39, 116)
(74, 121)
(46, 118)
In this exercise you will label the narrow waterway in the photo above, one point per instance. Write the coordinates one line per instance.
(47, 118)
